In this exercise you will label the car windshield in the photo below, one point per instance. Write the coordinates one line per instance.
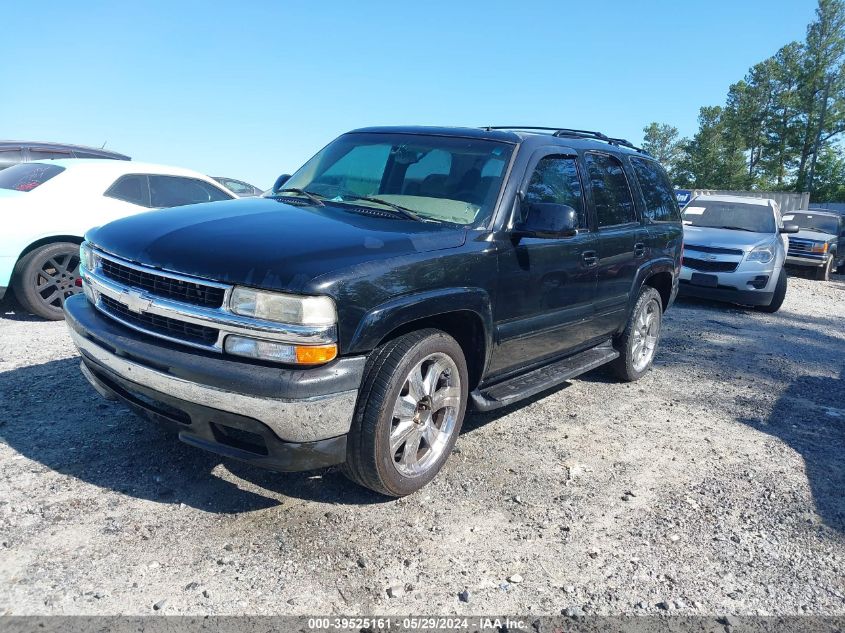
(437, 178)
(27, 176)
(814, 222)
(730, 215)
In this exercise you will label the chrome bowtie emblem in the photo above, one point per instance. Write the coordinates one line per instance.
(135, 301)
(711, 258)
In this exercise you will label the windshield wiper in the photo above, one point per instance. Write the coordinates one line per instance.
(399, 209)
(311, 196)
(736, 228)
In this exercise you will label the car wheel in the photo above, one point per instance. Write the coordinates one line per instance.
(637, 344)
(46, 277)
(779, 296)
(823, 273)
(410, 409)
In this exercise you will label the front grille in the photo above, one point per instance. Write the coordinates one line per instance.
(712, 249)
(155, 324)
(800, 247)
(710, 267)
(163, 286)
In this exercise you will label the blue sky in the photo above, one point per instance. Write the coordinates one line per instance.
(253, 89)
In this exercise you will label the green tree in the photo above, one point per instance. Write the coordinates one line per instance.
(822, 91)
(782, 127)
(830, 176)
(663, 142)
(712, 158)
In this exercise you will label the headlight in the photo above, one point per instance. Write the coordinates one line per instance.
(86, 256)
(819, 247)
(279, 352)
(762, 254)
(275, 306)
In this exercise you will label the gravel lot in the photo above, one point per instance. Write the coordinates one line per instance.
(714, 485)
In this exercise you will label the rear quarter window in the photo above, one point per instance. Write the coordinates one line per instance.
(28, 176)
(659, 199)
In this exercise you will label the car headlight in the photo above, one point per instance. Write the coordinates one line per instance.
(283, 308)
(762, 254)
(86, 256)
(819, 248)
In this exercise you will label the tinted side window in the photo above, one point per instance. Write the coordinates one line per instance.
(27, 176)
(10, 157)
(45, 154)
(555, 179)
(175, 191)
(661, 203)
(77, 153)
(131, 188)
(611, 194)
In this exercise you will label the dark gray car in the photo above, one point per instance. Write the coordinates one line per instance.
(14, 152)
(820, 242)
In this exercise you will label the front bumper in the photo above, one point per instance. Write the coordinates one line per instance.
(814, 262)
(727, 294)
(289, 419)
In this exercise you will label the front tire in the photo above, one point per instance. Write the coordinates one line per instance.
(46, 277)
(637, 344)
(823, 273)
(409, 413)
(779, 296)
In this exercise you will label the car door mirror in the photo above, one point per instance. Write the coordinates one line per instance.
(790, 228)
(546, 220)
(280, 181)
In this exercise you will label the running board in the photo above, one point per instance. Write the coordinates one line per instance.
(542, 378)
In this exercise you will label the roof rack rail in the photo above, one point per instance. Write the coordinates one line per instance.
(565, 132)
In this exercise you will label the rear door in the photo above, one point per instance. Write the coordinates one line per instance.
(621, 239)
(546, 286)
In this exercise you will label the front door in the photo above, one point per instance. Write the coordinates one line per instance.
(621, 240)
(546, 286)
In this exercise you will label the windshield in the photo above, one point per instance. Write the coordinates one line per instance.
(730, 215)
(814, 222)
(27, 176)
(435, 177)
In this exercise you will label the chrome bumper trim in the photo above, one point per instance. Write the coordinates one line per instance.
(306, 420)
(808, 260)
(221, 318)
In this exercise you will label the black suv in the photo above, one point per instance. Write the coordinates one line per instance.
(400, 277)
(14, 152)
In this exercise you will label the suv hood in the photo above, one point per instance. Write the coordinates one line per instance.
(816, 236)
(724, 238)
(266, 243)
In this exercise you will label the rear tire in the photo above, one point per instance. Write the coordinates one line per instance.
(637, 345)
(823, 273)
(46, 277)
(779, 296)
(410, 410)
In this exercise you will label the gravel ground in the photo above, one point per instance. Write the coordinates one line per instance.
(713, 485)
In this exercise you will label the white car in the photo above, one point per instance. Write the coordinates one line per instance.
(49, 205)
(734, 250)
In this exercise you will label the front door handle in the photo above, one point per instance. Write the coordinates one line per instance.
(639, 249)
(590, 258)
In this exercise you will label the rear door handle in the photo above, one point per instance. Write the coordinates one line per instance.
(590, 258)
(639, 249)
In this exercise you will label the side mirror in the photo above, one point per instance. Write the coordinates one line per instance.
(790, 228)
(546, 220)
(280, 182)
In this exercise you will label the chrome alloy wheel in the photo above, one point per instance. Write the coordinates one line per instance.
(646, 331)
(425, 414)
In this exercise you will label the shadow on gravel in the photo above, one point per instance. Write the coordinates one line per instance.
(810, 417)
(49, 414)
(11, 310)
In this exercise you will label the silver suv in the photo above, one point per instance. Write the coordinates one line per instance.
(734, 250)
